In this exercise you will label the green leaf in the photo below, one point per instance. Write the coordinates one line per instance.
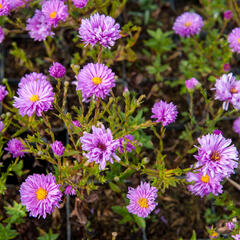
(140, 221)
(17, 212)
(49, 236)
(194, 236)
(7, 233)
(114, 187)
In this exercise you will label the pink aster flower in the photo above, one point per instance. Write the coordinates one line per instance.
(126, 143)
(99, 28)
(69, 190)
(57, 70)
(1, 126)
(3, 92)
(95, 79)
(217, 155)
(142, 199)
(34, 97)
(32, 77)
(80, 3)
(58, 148)
(4, 7)
(76, 123)
(188, 24)
(40, 194)
(227, 90)
(236, 126)
(165, 113)
(226, 67)
(55, 11)
(100, 146)
(1, 35)
(39, 27)
(191, 83)
(230, 226)
(15, 147)
(236, 237)
(234, 40)
(228, 14)
(203, 183)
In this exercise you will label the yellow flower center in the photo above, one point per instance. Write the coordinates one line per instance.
(215, 156)
(97, 80)
(188, 24)
(41, 194)
(143, 202)
(214, 235)
(205, 179)
(1, 6)
(53, 14)
(34, 98)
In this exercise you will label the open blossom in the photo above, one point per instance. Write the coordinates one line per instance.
(165, 113)
(1, 35)
(95, 79)
(126, 140)
(203, 183)
(3, 92)
(100, 146)
(228, 90)
(4, 7)
(39, 27)
(58, 148)
(15, 147)
(217, 155)
(80, 3)
(234, 40)
(188, 24)
(236, 126)
(34, 97)
(191, 83)
(40, 194)
(55, 11)
(236, 237)
(69, 190)
(17, 3)
(99, 28)
(57, 70)
(230, 226)
(142, 199)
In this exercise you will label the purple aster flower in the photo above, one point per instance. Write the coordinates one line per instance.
(191, 83)
(226, 67)
(76, 123)
(4, 7)
(17, 3)
(142, 199)
(55, 11)
(230, 226)
(69, 190)
(217, 155)
(203, 183)
(80, 3)
(3, 92)
(1, 126)
(234, 40)
(100, 146)
(99, 28)
(40, 194)
(57, 70)
(227, 90)
(95, 79)
(58, 148)
(32, 77)
(1, 35)
(165, 113)
(39, 27)
(236, 237)
(127, 140)
(228, 14)
(236, 126)
(188, 24)
(15, 147)
(34, 96)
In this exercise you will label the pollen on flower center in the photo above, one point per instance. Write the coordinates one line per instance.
(205, 178)
(34, 98)
(41, 194)
(97, 80)
(1, 6)
(53, 14)
(143, 202)
(188, 24)
(102, 146)
(214, 235)
(233, 90)
(215, 156)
